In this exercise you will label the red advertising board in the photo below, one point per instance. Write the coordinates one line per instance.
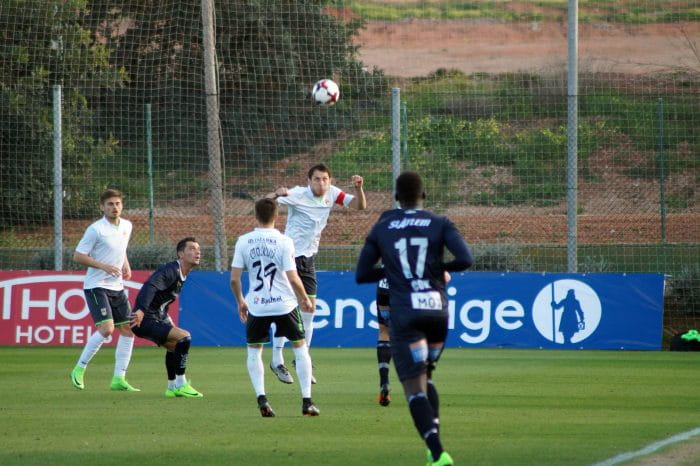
(47, 308)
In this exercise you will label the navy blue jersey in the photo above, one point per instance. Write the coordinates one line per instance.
(411, 244)
(161, 289)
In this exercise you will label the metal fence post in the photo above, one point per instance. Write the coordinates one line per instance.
(572, 139)
(395, 139)
(57, 180)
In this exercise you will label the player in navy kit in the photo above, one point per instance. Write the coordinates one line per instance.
(411, 243)
(383, 341)
(150, 319)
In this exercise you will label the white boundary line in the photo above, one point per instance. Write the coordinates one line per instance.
(651, 448)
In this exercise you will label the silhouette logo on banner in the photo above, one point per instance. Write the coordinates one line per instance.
(566, 311)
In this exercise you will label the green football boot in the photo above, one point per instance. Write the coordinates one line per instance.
(444, 460)
(119, 383)
(170, 393)
(76, 376)
(188, 392)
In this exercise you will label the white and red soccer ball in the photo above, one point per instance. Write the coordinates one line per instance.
(325, 92)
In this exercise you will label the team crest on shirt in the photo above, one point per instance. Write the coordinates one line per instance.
(103, 311)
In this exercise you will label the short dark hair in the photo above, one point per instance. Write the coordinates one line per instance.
(109, 193)
(265, 210)
(409, 188)
(319, 167)
(182, 244)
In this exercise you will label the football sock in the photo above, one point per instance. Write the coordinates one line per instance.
(182, 351)
(255, 369)
(383, 359)
(277, 347)
(122, 355)
(308, 319)
(180, 380)
(434, 402)
(423, 417)
(170, 368)
(303, 363)
(92, 346)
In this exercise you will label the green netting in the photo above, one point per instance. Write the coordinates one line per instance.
(484, 119)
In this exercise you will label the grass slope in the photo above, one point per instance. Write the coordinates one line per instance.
(497, 407)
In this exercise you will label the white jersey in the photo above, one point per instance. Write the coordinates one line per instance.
(106, 243)
(268, 255)
(307, 216)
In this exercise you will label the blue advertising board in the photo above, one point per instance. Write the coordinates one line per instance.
(487, 309)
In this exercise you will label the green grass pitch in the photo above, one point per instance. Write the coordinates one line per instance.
(524, 407)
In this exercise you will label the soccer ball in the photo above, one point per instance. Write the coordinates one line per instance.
(325, 92)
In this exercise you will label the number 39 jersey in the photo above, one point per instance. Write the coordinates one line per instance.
(411, 244)
(268, 255)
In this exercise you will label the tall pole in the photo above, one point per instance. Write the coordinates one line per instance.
(404, 138)
(213, 135)
(662, 175)
(395, 139)
(149, 157)
(572, 139)
(57, 180)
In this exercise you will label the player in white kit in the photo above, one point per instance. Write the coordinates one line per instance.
(273, 293)
(308, 208)
(103, 250)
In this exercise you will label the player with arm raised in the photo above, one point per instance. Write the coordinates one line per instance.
(411, 243)
(273, 294)
(150, 320)
(308, 208)
(103, 250)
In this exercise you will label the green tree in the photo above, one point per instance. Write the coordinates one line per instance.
(44, 45)
(269, 53)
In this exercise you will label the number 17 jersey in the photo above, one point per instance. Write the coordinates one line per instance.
(411, 244)
(268, 255)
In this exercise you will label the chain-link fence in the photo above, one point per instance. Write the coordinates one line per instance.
(483, 119)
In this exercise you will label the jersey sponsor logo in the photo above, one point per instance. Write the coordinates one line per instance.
(48, 308)
(426, 300)
(265, 301)
(409, 222)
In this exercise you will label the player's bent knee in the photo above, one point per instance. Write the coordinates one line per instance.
(184, 342)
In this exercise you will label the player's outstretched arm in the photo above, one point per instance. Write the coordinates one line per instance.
(280, 191)
(359, 202)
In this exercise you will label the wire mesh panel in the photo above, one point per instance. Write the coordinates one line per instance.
(483, 119)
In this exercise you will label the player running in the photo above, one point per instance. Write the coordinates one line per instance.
(274, 291)
(150, 320)
(411, 243)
